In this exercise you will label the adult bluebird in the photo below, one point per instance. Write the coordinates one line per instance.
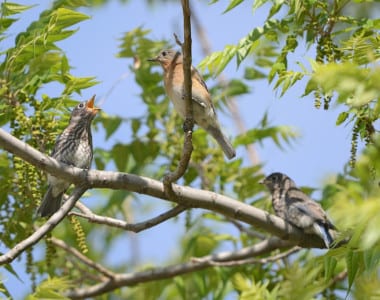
(203, 109)
(73, 147)
(295, 207)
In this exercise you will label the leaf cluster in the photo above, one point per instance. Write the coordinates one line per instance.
(345, 47)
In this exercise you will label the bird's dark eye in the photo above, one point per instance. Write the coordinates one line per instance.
(164, 53)
(81, 105)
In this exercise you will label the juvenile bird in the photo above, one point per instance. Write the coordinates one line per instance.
(73, 147)
(203, 109)
(295, 207)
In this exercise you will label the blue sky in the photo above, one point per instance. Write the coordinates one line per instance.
(321, 150)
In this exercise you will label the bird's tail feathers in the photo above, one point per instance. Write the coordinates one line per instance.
(324, 233)
(50, 204)
(223, 141)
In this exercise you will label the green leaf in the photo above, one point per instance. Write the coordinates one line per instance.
(352, 262)
(217, 61)
(330, 265)
(76, 84)
(9, 8)
(110, 124)
(310, 87)
(4, 290)
(51, 288)
(63, 18)
(371, 258)
(136, 125)
(120, 155)
(253, 74)
(342, 117)
(356, 86)
(235, 88)
(278, 134)
(275, 8)
(287, 79)
(10, 269)
(65, 67)
(233, 3)
(5, 23)
(239, 282)
(257, 4)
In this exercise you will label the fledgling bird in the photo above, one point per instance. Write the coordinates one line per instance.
(73, 147)
(295, 207)
(203, 110)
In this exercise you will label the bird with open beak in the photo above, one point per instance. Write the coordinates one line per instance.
(73, 147)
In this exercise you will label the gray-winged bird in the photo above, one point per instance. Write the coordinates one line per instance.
(73, 147)
(295, 207)
(203, 109)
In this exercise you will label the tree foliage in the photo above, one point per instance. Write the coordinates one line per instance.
(344, 71)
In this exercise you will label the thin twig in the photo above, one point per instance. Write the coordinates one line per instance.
(84, 259)
(200, 167)
(262, 261)
(137, 227)
(85, 275)
(189, 121)
(249, 232)
(339, 277)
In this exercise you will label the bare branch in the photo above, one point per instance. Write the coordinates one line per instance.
(94, 218)
(177, 40)
(182, 166)
(339, 277)
(201, 170)
(83, 208)
(84, 259)
(53, 221)
(185, 196)
(187, 61)
(188, 125)
(155, 274)
(241, 262)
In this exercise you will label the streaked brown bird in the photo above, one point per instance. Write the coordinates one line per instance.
(203, 110)
(73, 147)
(295, 207)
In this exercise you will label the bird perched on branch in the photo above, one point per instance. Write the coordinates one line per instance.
(203, 110)
(295, 207)
(73, 147)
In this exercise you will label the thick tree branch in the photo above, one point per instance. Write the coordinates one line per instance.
(53, 221)
(131, 279)
(185, 196)
(94, 218)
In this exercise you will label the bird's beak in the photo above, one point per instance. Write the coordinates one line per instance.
(90, 105)
(262, 181)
